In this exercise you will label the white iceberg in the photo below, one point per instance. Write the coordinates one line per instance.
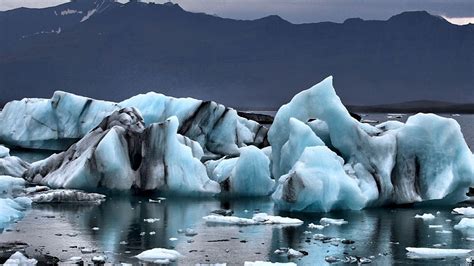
(247, 175)
(436, 253)
(58, 122)
(159, 255)
(425, 159)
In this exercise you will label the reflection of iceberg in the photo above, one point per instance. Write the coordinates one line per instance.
(424, 159)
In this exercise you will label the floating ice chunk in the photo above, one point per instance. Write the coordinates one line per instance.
(159, 254)
(436, 253)
(173, 239)
(435, 226)
(270, 219)
(19, 259)
(267, 263)
(4, 151)
(151, 220)
(316, 226)
(228, 220)
(318, 182)
(466, 225)
(444, 232)
(466, 211)
(329, 221)
(425, 216)
(65, 195)
(247, 175)
(291, 253)
(258, 218)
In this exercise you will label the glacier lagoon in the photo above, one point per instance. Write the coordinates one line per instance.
(340, 157)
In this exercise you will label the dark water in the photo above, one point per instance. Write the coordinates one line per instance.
(382, 234)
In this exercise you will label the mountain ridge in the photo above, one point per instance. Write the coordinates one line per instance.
(136, 47)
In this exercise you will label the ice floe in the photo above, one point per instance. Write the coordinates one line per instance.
(425, 216)
(436, 253)
(258, 218)
(268, 263)
(19, 259)
(466, 211)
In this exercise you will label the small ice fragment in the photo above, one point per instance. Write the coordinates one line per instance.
(329, 221)
(123, 242)
(152, 233)
(95, 228)
(443, 232)
(151, 220)
(331, 259)
(425, 216)
(142, 233)
(435, 226)
(173, 239)
(190, 232)
(98, 259)
(316, 226)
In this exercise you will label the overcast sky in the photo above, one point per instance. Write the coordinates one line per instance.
(300, 11)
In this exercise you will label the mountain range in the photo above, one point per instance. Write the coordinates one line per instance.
(109, 50)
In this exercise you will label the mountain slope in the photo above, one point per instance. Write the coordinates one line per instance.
(138, 47)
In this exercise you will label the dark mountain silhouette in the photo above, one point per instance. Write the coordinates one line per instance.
(124, 49)
(417, 106)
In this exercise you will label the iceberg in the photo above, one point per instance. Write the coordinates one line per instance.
(246, 175)
(57, 123)
(425, 159)
(120, 154)
(12, 210)
(65, 196)
(466, 225)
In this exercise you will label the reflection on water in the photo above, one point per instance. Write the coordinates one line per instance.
(122, 233)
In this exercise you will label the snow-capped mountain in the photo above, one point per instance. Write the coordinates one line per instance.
(109, 50)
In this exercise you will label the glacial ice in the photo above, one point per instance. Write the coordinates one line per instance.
(318, 183)
(466, 225)
(425, 216)
(4, 151)
(425, 159)
(120, 153)
(19, 259)
(58, 122)
(12, 209)
(329, 221)
(246, 175)
(159, 255)
(65, 196)
(258, 218)
(13, 166)
(435, 253)
(466, 211)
